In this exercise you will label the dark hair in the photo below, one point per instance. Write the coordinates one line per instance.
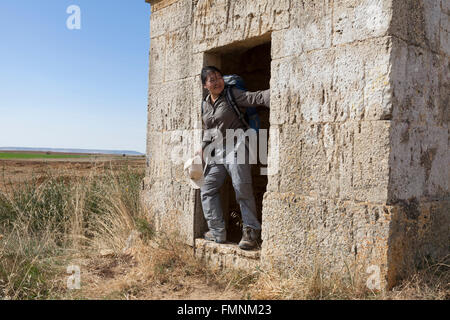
(207, 70)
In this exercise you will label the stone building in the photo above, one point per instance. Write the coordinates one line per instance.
(359, 138)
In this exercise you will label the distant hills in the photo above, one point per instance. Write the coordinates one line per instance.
(90, 151)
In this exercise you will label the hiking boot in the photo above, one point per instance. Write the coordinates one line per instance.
(210, 237)
(250, 239)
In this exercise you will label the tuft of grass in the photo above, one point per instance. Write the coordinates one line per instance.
(309, 282)
(431, 282)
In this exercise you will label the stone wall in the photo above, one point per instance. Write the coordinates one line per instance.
(420, 155)
(359, 96)
(173, 112)
(332, 103)
(360, 93)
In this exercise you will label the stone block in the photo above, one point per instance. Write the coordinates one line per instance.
(356, 20)
(446, 7)
(226, 255)
(445, 33)
(172, 105)
(169, 150)
(421, 85)
(370, 165)
(179, 58)
(346, 83)
(348, 161)
(300, 232)
(170, 18)
(159, 155)
(298, 86)
(419, 231)
(333, 234)
(361, 87)
(219, 22)
(198, 61)
(310, 29)
(417, 22)
(170, 206)
(419, 162)
(157, 60)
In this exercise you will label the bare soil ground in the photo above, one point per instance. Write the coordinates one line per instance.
(123, 278)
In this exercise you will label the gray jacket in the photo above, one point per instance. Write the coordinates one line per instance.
(221, 116)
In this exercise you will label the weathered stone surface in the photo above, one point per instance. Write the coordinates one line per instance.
(445, 32)
(419, 162)
(360, 19)
(170, 18)
(338, 235)
(418, 22)
(361, 81)
(157, 60)
(169, 205)
(310, 29)
(418, 231)
(179, 58)
(172, 59)
(220, 22)
(329, 233)
(172, 105)
(226, 255)
(445, 7)
(168, 151)
(419, 158)
(346, 83)
(346, 161)
(421, 85)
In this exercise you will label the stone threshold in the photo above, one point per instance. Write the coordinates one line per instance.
(226, 255)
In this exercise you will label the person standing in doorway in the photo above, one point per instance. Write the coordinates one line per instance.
(219, 116)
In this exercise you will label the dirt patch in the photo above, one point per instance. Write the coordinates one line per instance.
(122, 277)
(17, 172)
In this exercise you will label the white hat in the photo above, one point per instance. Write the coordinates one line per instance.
(194, 172)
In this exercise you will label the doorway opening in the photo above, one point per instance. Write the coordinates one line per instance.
(250, 59)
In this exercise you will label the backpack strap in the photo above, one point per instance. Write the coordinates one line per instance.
(232, 102)
(203, 104)
(204, 143)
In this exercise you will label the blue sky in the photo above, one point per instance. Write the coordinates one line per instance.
(64, 88)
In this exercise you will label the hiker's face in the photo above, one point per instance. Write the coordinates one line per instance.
(214, 83)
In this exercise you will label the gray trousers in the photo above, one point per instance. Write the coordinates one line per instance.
(241, 178)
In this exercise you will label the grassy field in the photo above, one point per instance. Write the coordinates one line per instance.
(90, 215)
(13, 155)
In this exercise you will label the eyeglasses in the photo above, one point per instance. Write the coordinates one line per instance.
(214, 80)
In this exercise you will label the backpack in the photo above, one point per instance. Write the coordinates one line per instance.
(251, 118)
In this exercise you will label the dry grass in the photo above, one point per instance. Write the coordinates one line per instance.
(51, 219)
(97, 222)
(162, 268)
(429, 284)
